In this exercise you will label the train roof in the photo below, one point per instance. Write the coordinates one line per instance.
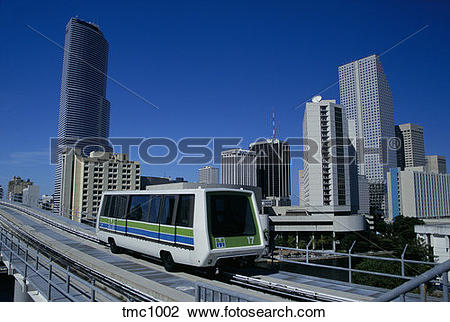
(174, 188)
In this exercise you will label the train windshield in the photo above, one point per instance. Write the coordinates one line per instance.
(230, 214)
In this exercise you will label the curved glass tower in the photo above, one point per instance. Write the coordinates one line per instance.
(84, 110)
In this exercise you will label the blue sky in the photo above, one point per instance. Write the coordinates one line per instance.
(217, 68)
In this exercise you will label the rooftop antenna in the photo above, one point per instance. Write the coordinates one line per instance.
(273, 125)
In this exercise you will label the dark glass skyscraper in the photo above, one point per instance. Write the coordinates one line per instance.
(84, 110)
(273, 163)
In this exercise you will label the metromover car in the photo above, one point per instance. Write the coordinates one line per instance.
(197, 227)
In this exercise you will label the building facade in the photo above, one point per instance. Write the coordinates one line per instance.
(436, 236)
(208, 175)
(436, 164)
(301, 200)
(16, 187)
(365, 93)
(414, 192)
(273, 169)
(86, 178)
(411, 152)
(238, 167)
(30, 196)
(84, 110)
(326, 177)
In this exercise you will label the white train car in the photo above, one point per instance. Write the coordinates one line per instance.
(197, 227)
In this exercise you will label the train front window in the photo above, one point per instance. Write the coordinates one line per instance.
(230, 214)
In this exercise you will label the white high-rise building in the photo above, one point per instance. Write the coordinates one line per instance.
(326, 176)
(208, 175)
(417, 193)
(238, 167)
(365, 93)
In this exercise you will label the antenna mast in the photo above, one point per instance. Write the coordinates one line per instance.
(273, 126)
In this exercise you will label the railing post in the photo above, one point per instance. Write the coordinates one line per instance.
(307, 250)
(10, 271)
(197, 293)
(68, 280)
(403, 259)
(350, 262)
(50, 269)
(92, 290)
(37, 260)
(445, 287)
(422, 292)
(273, 249)
(26, 262)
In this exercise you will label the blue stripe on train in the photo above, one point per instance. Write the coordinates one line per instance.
(151, 234)
(143, 232)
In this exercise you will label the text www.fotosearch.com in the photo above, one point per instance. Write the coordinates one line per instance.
(173, 311)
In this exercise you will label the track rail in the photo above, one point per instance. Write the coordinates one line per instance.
(283, 290)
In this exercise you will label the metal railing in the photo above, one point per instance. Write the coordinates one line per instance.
(53, 281)
(118, 289)
(304, 258)
(400, 291)
(209, 293)
(349, 255)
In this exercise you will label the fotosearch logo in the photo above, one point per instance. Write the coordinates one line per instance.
(207, 150)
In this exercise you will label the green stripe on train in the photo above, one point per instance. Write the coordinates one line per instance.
(144, 226)
(182, 231)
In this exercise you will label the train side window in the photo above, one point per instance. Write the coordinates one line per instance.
(119, 206)
(139, 205)
(155, 204)
(106, 206)
(185, 212)
(167, 210)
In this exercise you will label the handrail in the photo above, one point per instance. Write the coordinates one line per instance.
(441, 269)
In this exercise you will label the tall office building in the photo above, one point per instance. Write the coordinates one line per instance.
(208, 175)
(273, 169)
(412, 147)
(417, 193)
(84, 110)
(238, 167)
(326, 176)
(1, 192)
(86, 178)
(365, 93)
(436, 164)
